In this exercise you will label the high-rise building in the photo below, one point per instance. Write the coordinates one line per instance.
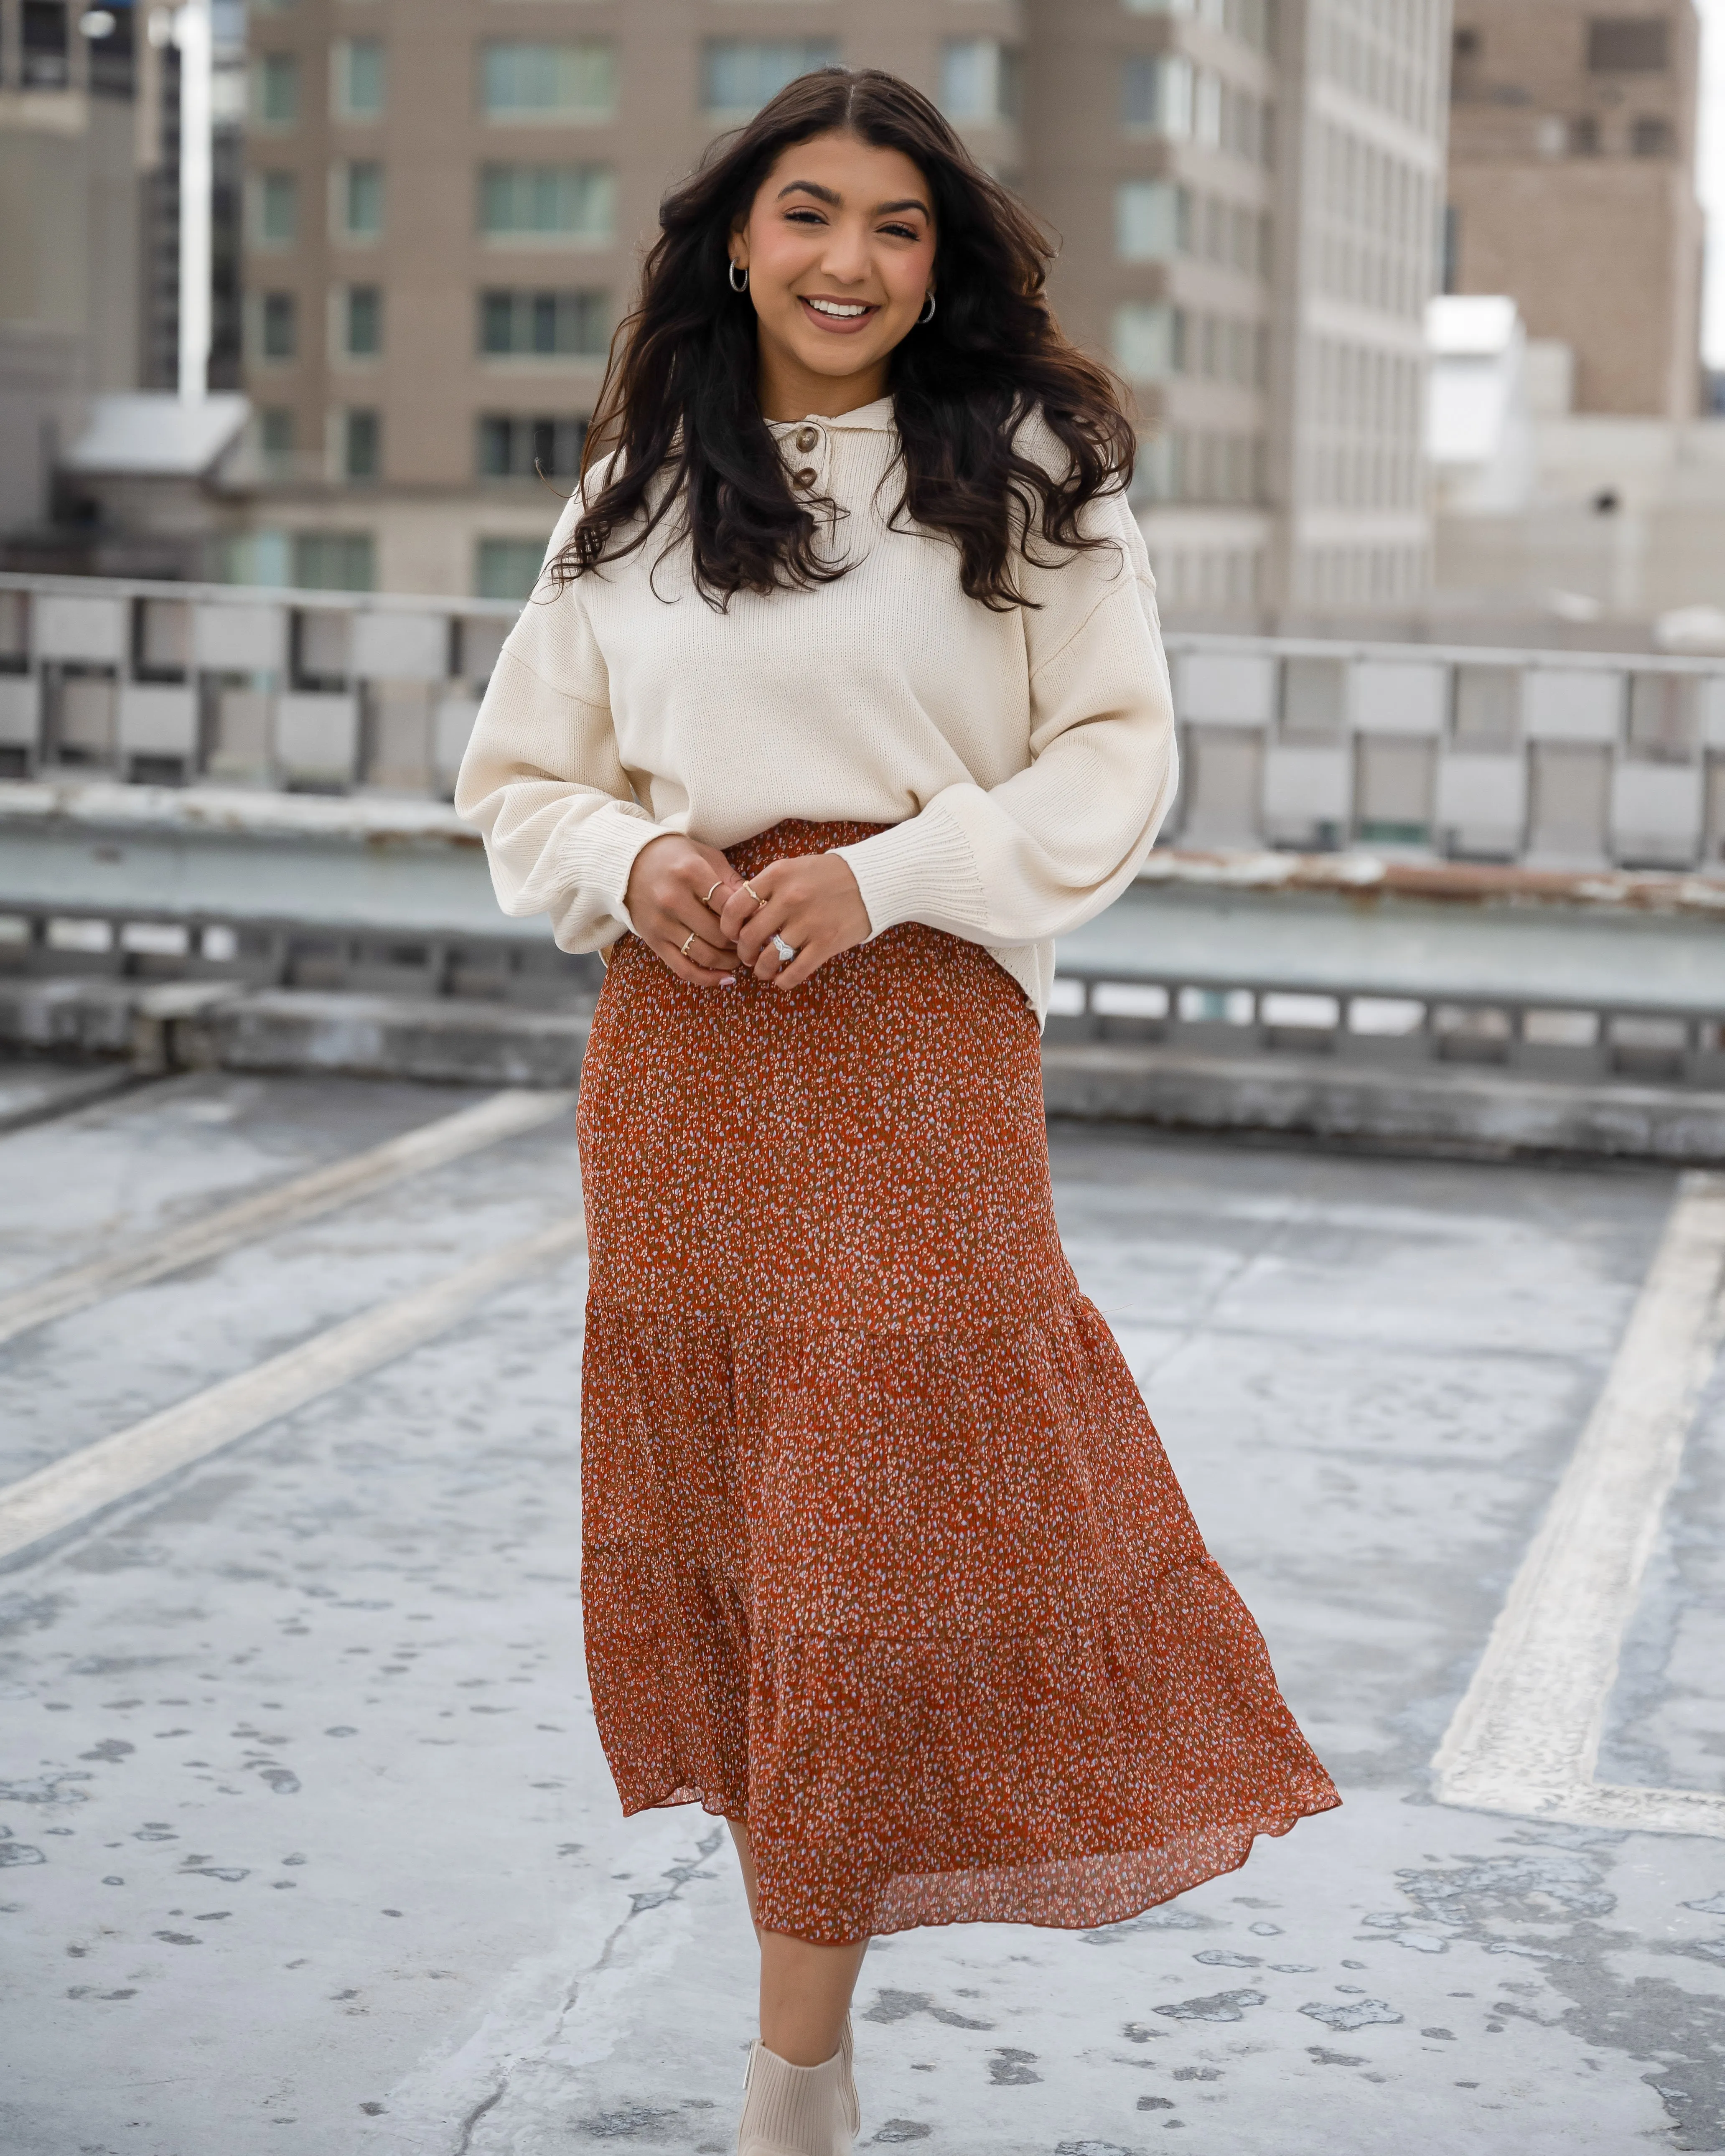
(70, 274)
(446, 200)
(1571, 188)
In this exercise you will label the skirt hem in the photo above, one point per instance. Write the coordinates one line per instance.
(1226, 1849)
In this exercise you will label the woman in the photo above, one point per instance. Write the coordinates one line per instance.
(842, 696)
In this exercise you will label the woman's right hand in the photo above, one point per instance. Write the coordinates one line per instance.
(668, 887)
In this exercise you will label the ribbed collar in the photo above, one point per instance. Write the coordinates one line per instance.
(876, 419)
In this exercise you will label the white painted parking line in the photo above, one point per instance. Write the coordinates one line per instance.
(1526, 1737)
(71, 1489)
(504, 1116)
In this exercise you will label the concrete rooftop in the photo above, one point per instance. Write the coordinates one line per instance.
(308, 1846)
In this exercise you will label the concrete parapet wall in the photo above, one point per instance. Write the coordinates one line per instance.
(1448, 1109)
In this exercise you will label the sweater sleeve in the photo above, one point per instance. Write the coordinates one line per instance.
(1050, 847)
(542, 778)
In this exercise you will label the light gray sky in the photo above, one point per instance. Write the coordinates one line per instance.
(1712, 174)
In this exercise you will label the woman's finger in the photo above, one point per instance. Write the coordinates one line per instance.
(700, 970)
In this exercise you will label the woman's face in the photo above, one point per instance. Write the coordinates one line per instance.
(838, 244)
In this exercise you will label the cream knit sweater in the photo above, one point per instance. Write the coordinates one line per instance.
(1025, 759)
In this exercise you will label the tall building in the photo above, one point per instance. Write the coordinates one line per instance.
(1571, 188)
(70, 290)
(446, 199)
(1249, 191)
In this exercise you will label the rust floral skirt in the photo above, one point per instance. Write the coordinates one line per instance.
(880, 1552)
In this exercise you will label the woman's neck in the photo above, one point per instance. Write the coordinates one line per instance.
(788, 391)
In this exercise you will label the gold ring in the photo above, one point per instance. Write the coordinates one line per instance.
(753, 892)
(684, 945)
(710, 889)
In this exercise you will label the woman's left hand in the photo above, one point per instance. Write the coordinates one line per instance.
(811, 899)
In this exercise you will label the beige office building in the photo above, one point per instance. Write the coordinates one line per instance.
(446, 200)
(1571, 188)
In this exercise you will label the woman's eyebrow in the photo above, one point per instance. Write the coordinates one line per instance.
(910, 202)
(811, 187)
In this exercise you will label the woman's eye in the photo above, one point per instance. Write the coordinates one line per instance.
(802, 216)
(901, 231)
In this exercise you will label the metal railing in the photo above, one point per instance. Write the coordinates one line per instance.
(1579, 760)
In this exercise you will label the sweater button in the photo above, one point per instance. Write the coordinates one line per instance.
(807, 438)
(806, 477)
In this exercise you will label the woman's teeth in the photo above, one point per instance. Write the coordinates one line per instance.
(845, 310)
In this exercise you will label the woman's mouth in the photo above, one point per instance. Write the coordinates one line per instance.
(837, 317)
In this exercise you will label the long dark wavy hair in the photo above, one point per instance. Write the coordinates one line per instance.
(680, 400)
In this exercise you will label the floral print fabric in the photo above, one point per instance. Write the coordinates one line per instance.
(882, 1554)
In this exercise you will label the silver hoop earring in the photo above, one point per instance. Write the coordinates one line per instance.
(927, 313)
(738, 284)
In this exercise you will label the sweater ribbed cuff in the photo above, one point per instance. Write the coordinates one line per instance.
(600, 852)
(920, 870)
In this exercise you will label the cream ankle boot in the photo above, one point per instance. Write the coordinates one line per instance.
(793, 2111)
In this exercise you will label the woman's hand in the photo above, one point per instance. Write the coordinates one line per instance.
(669, 886)
(812, 900)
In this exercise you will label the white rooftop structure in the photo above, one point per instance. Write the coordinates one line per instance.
(154, 434)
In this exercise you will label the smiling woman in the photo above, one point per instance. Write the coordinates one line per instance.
(841, 695)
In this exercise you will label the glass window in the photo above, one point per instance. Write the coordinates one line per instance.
(357, 78)
(1156, 94)
(507, 568)
(334, 561)
(362, 445)
(1652, 138)
(978, 80)
(1152, 220)
(1149, 341)
(741, 74)
(514, 447)
(547, 82)
(46, 63)
(548, 324)
(362, 321)
(277, 437)
(275, 89)
(276, 208)
(547, 201)
(1630, 44)
(279, 326)
(360, 200)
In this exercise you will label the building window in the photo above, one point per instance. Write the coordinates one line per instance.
(1156, 94)
(359, 201)
(1149, 340)
(334, 562)
(356, 85)
(1153, 220)
(1650, 138)
(362, 445)
(979, 79)
(277, 439)
(275, 209)
(275, 90)
(1585, 136)
(544, 324)
(740, 74)
(512, 448)
(1630, 45)
(507, 569)
(278, 325)
(361, 318)
(547, 82)
(547, 201)
(46, 61)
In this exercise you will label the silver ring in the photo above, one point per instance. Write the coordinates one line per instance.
(786, 952)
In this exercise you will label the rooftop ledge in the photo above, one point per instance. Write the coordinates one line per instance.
(386, 819)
